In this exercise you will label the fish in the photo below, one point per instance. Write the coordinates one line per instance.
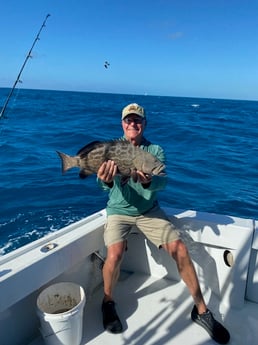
(128, 158)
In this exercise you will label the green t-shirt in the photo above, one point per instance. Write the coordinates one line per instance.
(132, 199)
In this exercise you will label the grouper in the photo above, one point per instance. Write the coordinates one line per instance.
(128, 158)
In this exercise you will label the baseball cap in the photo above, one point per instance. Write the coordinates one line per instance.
(133, 108)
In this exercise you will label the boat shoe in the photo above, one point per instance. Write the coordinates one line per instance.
(213, 327)
(111, 320)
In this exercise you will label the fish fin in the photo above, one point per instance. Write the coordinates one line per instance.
(92, 145)
(82, 174)
(87, 148)
(68, 162)
(85, 173)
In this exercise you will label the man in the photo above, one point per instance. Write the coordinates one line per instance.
(136, 204)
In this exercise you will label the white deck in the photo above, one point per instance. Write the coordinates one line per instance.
(153, 304)
(157, 311)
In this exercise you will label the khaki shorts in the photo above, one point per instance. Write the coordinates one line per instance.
(154, 224)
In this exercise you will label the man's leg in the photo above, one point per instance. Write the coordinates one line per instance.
(200, 313)
(179, 252)
(111, 270)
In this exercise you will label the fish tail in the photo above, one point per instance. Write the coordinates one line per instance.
(68, 162)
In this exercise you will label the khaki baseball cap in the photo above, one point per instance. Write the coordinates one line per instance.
(133, 108)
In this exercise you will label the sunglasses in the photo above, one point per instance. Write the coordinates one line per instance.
(136, 120)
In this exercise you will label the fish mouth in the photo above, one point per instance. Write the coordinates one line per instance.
(159, 170)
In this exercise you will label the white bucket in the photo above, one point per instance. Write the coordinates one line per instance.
(60, 309)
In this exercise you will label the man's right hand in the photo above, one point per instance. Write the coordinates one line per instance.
(107, 171)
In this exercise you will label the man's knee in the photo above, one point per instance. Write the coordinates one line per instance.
(177, 249)
(115, 253)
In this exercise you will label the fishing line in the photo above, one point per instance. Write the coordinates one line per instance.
(29, 55)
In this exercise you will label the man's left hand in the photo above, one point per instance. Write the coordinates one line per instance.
(143, 178)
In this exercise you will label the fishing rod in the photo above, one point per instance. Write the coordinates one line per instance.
(24, 63)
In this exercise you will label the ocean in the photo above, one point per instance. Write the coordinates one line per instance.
(211, 147)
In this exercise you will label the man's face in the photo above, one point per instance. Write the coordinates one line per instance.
(133, 126)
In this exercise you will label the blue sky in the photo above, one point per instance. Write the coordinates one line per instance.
(198, 48)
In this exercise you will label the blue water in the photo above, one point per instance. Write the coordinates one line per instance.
(211, 147)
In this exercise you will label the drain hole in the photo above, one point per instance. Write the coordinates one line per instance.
(228, 258)
(48, 247)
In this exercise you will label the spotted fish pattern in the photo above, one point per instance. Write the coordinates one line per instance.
(127, 157)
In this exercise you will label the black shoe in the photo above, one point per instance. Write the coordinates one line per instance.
(111, 320)
(213, 327)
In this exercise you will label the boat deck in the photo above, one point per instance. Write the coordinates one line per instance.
(157, 311)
